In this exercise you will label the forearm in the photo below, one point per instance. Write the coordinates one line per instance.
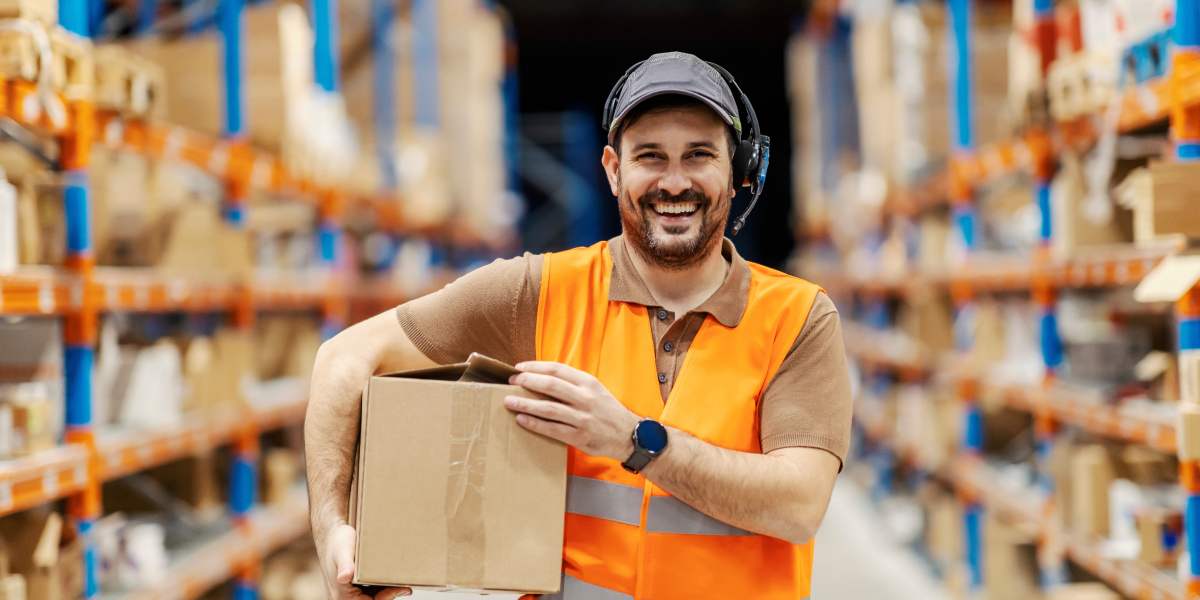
(343, 367)
(782, 495)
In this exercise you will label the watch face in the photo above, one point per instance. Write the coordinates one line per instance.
(651, 436)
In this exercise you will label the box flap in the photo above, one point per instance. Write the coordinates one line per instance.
(477, 369)
(482, 369)
(1170, 280)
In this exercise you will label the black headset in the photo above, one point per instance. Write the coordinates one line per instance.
(753, 153)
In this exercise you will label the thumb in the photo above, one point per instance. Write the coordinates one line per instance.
(343, 562)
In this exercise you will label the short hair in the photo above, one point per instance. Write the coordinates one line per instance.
(664, 103)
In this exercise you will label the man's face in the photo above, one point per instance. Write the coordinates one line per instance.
(673, 185)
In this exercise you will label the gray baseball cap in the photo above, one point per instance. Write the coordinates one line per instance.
(676, 73)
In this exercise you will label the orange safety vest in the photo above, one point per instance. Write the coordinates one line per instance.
(625, 537)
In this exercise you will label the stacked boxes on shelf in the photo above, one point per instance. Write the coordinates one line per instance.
(1003, 352)
(152, 221)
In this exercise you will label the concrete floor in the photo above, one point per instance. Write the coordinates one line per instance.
(855, 559)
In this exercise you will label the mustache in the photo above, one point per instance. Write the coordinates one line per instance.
(686, 196)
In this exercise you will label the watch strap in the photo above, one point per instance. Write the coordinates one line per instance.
(637, 461)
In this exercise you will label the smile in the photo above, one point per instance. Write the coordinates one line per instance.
(685, 208)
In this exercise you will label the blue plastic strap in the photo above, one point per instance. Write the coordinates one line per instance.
(234, 214)
(78, 375)
(1187, 151)
(1052, 346)
(1189, 334)
(91, 561)
(1043, 202)
(328, 240)
(973, 528)
(245, 590)
(325, 66)
(965, 217)
(973, 430)
(1191, 520)
(382, 13)
(1043, 9)
(73, 15)
(425, 62)
(78, 213)
(1187, 24)
(242, 484)
(962, 94)
(230, 23)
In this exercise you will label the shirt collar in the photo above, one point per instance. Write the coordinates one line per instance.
(726, 305)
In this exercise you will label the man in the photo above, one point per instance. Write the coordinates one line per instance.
(706, 400)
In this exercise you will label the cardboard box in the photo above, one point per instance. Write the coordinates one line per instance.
(1188, 436)
(1091, 476)
(449, 492)
(1172, 199)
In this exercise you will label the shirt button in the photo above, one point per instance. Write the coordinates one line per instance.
(662, 315)
(668, 346)
(662, 377)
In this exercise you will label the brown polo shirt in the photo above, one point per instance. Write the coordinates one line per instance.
(493, 311)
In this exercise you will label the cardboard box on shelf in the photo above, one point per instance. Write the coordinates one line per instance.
(1188, 438)
(280, 468)
(46, 552)
(1010, 562)
(1074, 231)
(42, 11)
(192, 65)
(449, 492)
(72, 66)
(129, 83)
(1083, 591)
(1170, 208)
(41, 222)
(1091, 476)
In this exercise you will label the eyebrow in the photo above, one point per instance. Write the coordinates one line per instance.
(657, 146)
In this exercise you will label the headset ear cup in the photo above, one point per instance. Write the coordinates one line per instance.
(741, 163)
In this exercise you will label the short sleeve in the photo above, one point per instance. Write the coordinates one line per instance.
(491, 310)
(808, 403)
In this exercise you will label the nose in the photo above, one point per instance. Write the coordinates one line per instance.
(675, 179)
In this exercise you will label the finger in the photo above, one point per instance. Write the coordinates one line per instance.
(393, 592)
(551, 386)
(545, 409)
(565, 372)
(550, 429)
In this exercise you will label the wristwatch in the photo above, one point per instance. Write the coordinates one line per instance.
(649, 440)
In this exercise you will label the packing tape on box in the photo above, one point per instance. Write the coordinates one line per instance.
(469, 423)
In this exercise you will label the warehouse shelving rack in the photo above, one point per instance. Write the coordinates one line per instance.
(1173, 97)
(80, 291)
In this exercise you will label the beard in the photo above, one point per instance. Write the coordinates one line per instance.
(676, 251)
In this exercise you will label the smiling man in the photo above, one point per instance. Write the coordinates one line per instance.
(706, 399)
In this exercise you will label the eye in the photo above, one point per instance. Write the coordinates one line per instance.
(649, 156)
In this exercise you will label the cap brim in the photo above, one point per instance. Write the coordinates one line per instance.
(729, 119)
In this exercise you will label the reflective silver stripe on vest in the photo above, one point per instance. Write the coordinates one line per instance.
(604, 500)
(623, 504)
(574, 589)
(668, 514)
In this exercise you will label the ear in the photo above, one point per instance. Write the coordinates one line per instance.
(611, 163)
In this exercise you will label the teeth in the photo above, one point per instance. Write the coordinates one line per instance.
(674, 209)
